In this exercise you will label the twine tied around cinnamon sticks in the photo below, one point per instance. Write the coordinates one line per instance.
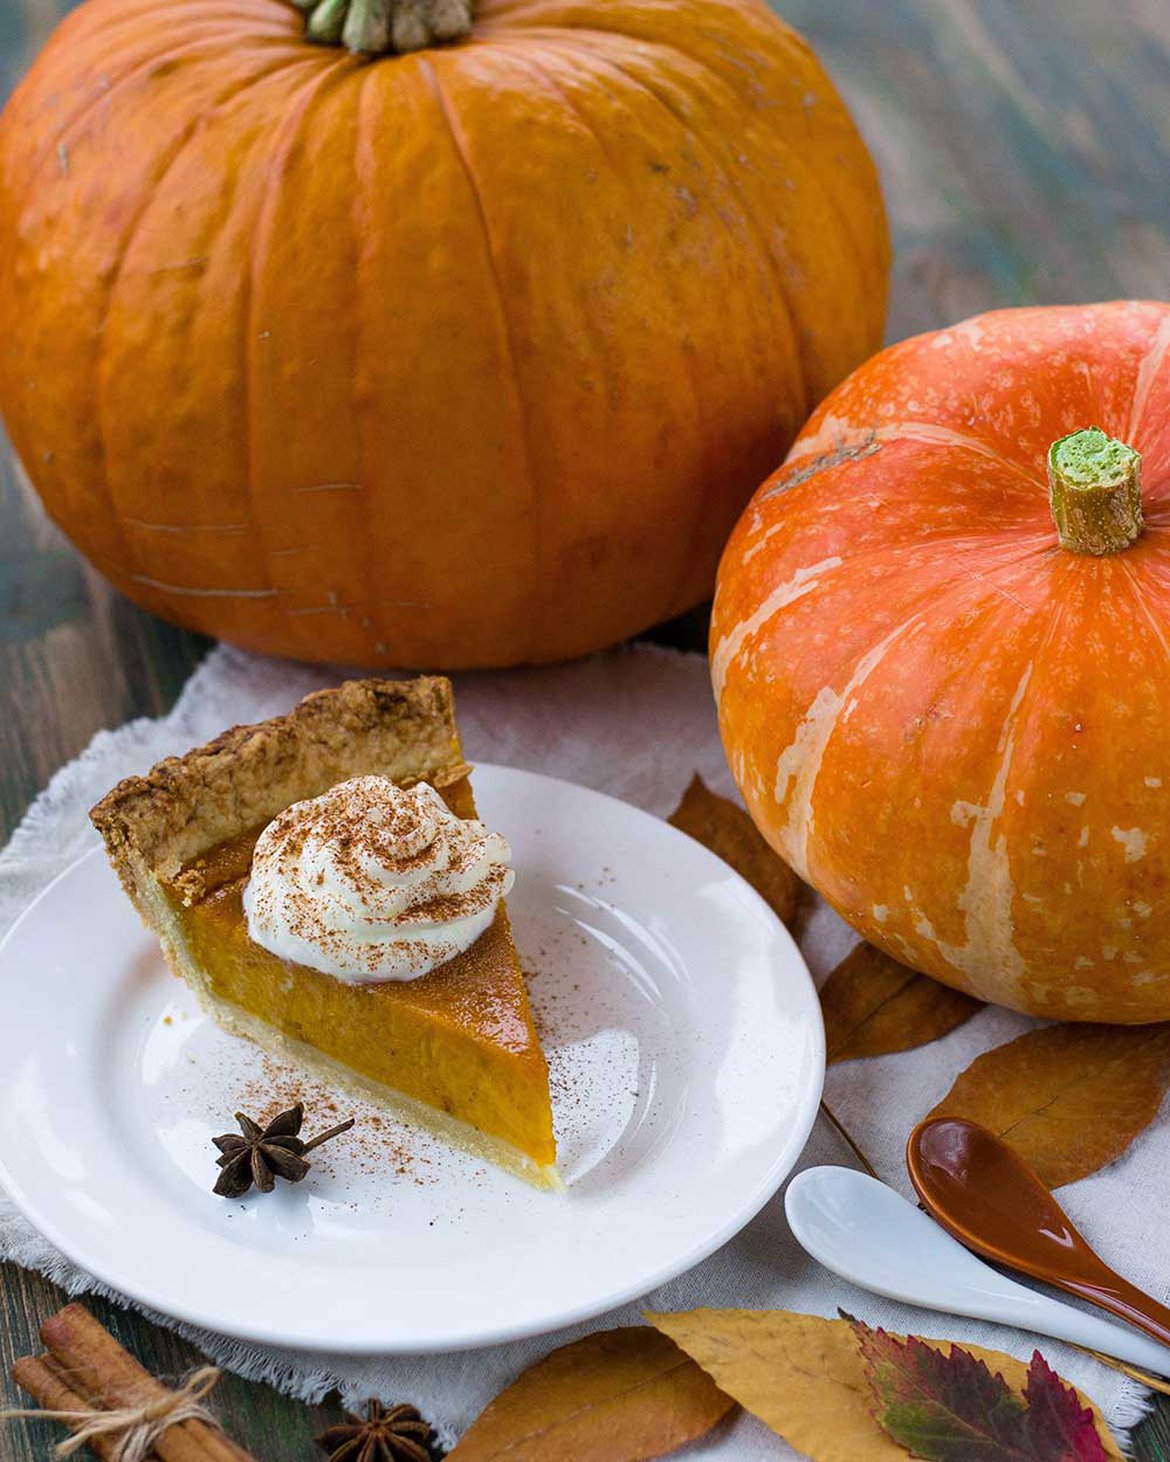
(132, 1431)
(114, 1405)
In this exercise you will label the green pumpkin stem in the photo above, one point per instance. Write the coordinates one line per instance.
(386, 27)
(1095, 489)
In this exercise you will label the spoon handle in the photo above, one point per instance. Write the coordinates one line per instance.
(986, 1196)
(862, 1230)
(1115, 1294)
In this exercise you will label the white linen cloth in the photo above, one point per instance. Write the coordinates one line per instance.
(636, 723)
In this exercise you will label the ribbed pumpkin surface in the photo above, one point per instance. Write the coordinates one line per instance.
(954, 727)
(467, 357)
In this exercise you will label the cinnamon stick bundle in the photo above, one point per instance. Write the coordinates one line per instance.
(86, 1370)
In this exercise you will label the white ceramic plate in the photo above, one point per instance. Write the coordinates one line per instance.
(687, 1055)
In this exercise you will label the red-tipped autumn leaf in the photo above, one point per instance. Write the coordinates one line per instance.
(1055, 1413)
(950, 1407)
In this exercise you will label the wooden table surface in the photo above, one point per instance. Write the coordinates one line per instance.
(1025, 151)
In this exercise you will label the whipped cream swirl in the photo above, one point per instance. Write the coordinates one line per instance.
(372, 882)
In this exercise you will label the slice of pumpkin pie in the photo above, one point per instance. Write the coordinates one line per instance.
(322, 883)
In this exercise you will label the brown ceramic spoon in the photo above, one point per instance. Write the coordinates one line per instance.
(990, 1200)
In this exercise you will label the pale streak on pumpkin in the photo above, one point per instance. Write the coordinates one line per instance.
(799, 764)
(203, 593)
(932, 435)
(836, 437)
(762, 541)
(1132, 839)
(832, 432)
(986, 898)
(969, 332)
(1148, 373)
(802, 582)
(182, 528)
(838, 442)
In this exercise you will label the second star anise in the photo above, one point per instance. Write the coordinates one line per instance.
(388, 1434)
(262, 1154)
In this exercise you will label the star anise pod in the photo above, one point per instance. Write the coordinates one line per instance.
(388, 1434)
(264, 1154)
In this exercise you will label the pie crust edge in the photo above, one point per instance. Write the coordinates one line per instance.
(154, 825)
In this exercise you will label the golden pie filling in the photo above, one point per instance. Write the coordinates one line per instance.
(454, 1050)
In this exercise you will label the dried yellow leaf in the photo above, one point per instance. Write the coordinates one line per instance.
(804, 1376)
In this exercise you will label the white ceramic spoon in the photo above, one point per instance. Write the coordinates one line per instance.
(868, 1234)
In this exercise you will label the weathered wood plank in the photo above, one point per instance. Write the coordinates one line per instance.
(74, 656)
(270, 1426)
(1023, 148)
(1024, 151)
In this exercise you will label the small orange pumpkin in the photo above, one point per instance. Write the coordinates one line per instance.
(946, 710)
(469, 356)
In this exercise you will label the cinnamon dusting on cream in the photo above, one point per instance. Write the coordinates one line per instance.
(372, 881)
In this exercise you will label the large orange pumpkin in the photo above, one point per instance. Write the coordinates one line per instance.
(951, 717)
(470, 356)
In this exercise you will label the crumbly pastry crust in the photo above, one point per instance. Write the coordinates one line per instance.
(156, 824)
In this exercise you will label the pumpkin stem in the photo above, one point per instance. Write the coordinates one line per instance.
(386, 27)
(1095, 489)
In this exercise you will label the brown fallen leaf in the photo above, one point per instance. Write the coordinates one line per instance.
(1068, 1098)
(727, 831)
(874, 1006)
(615, 1396)
(806, 1378)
